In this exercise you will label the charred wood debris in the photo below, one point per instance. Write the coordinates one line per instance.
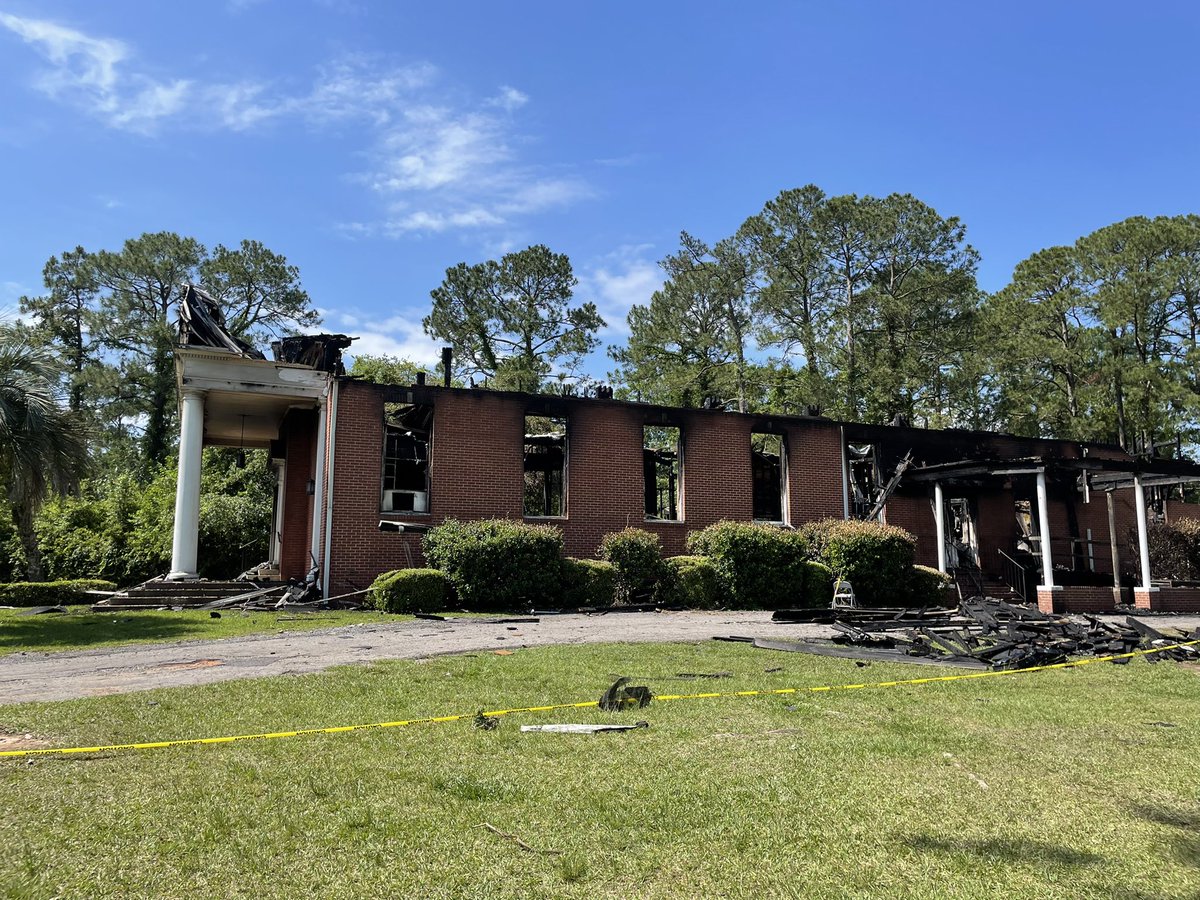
(982, 633)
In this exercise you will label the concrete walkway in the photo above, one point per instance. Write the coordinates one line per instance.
(29, 677)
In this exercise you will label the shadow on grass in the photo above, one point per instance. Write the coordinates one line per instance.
(52, 632)
(1184, 824)
(1010, 850)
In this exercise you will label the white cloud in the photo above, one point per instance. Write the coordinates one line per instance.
(438, 166)
(87, 71)
(11, 293)
(509, 99)
(616, 282)
(400, 335)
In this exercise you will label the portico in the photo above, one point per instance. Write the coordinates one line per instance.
(230, 400)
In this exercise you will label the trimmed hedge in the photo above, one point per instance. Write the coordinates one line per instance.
(760, 566)
(637, 554)
(498, 564)
(818, 584)
(52, 593)
(692, 582)
(927, 587)
(876, 559)
(588, 582)
(409, 591)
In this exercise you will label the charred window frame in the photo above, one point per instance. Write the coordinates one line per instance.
(768, 468)
(662, 472)
(863, 471)
(545, 468)
(407, 438)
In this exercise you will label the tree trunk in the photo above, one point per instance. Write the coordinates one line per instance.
(23, 519)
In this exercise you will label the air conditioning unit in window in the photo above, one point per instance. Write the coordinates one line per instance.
(406, 501)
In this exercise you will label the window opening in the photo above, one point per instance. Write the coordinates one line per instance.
(769, 473)
(545, 466)
(864, 479)
(407, 431)
(661, 472)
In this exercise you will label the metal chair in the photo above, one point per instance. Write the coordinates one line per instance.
(843, 594)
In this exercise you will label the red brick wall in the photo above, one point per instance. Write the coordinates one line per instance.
(1169, 599)
(914, 513)
(476, 472)
(1177, 509)
(1077, 600)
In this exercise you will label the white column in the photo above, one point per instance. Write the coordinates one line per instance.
(1044, 525)
(187, 487)
(939, 519)
(319, 492)
(1139, 503)
(325, 559)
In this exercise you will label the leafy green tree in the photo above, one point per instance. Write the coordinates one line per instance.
(66, 316)
(921, 305)
(42, 444)
(799, 294)
(259, 291)
(1045, 348)
(1098, 340)
(119, 528)
(386, 369)
(110, 315)
(140, 283)
(511, 321)
(689, 345)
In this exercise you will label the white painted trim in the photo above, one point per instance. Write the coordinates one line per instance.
(1139, 501)
(318, 518)
(185, 538)
(845, 475)
(333, 409)
(939, 521)
(1044, 526)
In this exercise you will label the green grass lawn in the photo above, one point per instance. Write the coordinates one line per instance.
(81, 629)
(1092, 785)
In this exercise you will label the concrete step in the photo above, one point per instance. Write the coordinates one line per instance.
(157, 593)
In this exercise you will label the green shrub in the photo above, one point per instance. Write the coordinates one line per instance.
(927, 587)
(691, 582)
(588, 582)
(761, 566)
(52, 593)
(876, 559)
(498, 564)
(1174, 549)
(409, 591)
(818, 584)
(637, 554)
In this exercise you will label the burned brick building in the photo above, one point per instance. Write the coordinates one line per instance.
(364, 469)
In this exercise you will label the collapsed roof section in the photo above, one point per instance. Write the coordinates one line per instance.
(202, 324)
(321, 351)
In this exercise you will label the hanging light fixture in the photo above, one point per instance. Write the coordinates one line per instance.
(241, 454)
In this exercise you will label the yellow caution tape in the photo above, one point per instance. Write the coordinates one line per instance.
(587, 704)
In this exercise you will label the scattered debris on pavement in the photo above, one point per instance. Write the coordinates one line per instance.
(980, 634)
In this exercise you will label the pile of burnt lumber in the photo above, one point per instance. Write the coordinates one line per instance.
(980, 633)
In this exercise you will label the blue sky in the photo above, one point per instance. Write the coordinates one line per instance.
(376, 144)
